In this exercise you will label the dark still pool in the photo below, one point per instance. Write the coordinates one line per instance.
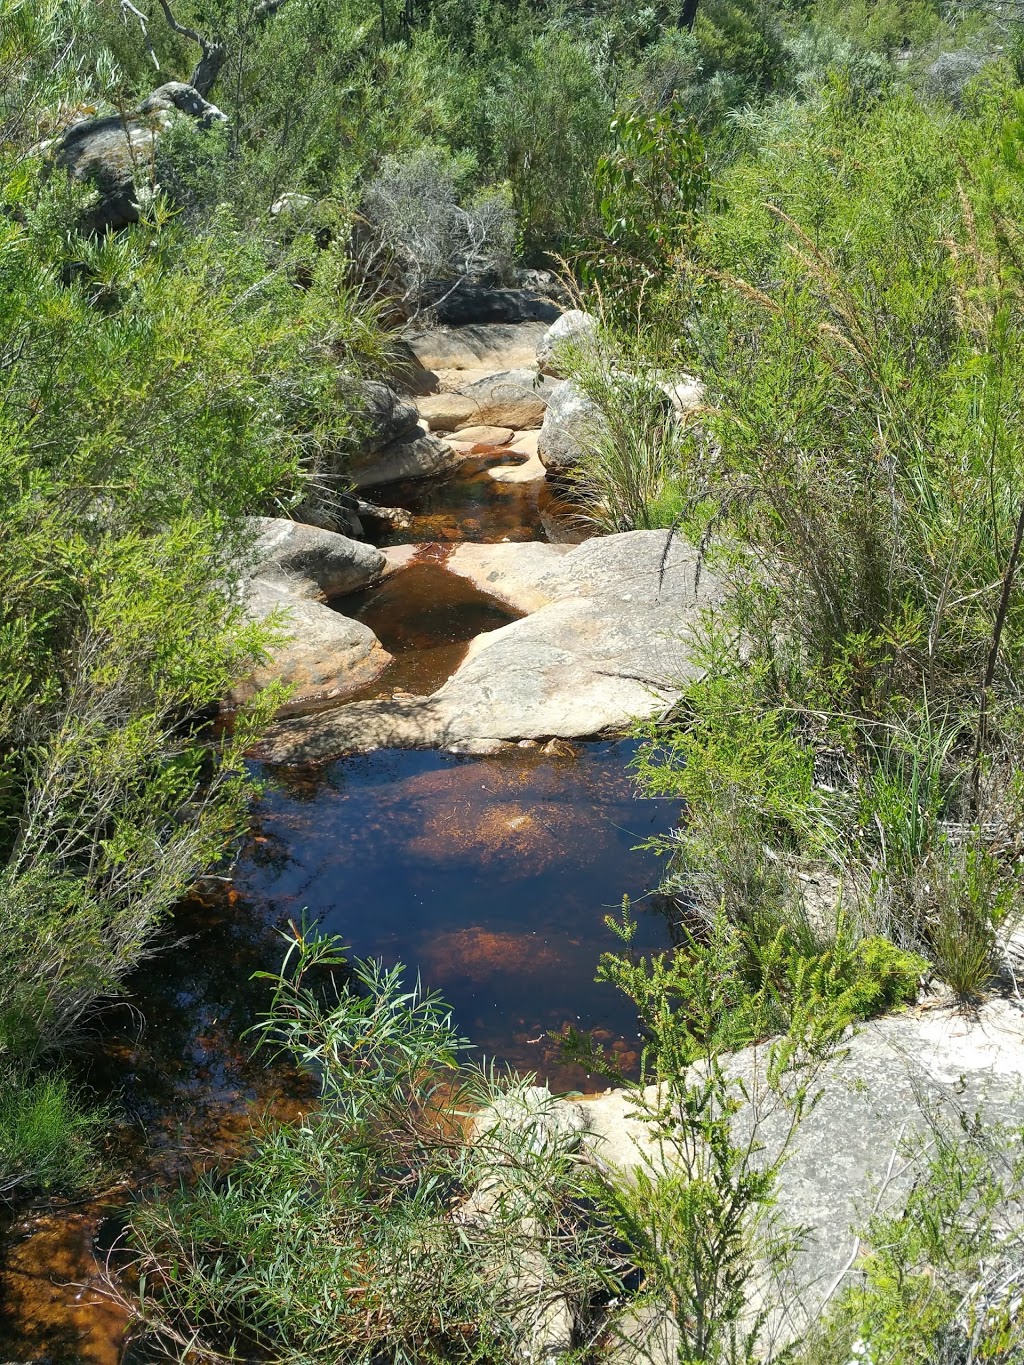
(490, 877)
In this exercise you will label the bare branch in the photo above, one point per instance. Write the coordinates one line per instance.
(128, 8)
(215, 53)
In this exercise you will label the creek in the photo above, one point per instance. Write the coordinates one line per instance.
(489, 876)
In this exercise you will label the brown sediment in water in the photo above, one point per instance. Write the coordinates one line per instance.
(466, 505)
(425, 617)
(490, 876)
(478, 954)
(49, 1292)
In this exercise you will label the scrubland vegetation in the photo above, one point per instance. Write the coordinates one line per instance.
(816, 209)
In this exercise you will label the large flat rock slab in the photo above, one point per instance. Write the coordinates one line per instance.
(608, 640)
(520, 574)
(481, 346)
(515, 398)
(874, 1097)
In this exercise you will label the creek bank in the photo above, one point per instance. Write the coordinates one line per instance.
(604, 643)
(894, 1077)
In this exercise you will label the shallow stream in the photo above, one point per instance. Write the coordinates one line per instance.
(488, 876)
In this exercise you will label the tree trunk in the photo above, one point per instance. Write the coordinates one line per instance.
(209, 67)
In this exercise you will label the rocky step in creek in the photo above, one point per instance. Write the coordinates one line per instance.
(601, 638)
(548, 830)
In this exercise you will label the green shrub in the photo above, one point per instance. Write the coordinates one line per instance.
(743, 38)
(941, 1275)
(338, 1236)
(967, 901)
(547, 122)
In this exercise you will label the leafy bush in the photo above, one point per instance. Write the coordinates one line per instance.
(648, 187)
(547, 122)
(941, 1278)
(743, 38)
(341, 1236)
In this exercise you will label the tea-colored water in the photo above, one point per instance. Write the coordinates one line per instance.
(490, 877)
(426, 617)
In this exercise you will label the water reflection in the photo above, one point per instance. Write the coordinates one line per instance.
(490, 876)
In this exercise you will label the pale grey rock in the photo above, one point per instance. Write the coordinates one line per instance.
(685, 393)
(873, 1097)
(531, 1121)
(492, 346)
(292, 203)
(117, 155)
(573, 328)
(512, 1137)
(608, 641)
(420, 457)
(516, 399)
(519, 573)
(643, 1334)
(572, 425)
(324, 657)
(310, 562)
